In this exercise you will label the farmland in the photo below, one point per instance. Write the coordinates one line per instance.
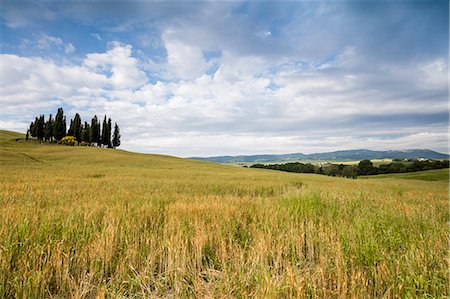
(428, 175)
(89, 222)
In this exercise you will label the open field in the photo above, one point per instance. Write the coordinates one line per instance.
(427, 175)
(88, 222)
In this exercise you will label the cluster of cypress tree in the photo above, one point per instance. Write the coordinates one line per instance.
(86, 134)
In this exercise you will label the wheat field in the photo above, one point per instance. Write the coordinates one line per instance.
(82, 222)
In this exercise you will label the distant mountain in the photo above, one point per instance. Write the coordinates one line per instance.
(349, 155)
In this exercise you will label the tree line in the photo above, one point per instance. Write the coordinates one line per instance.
(55, 130)
(365, 167)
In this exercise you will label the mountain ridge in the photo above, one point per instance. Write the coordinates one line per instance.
(342, 155)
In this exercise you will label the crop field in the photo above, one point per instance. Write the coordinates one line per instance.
(84, 222)
(427, 175)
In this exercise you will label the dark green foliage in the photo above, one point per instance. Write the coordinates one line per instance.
(109, 144)
(49, 129)
(364, 167)
(70, 131)
(106, 133)
(59, 129)
(289, 167)
(85, 132)
(33, 128)
(40, 127)
(76, 127)
(116, 136)
(105, 139)
(94, 130)
(99, 135)
(350, 171)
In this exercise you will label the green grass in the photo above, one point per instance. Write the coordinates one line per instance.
(427, 175)
(82, 222)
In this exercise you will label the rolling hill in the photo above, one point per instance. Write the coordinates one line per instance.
(347, 155)
(85, 222)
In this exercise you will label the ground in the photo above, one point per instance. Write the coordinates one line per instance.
(89, 222)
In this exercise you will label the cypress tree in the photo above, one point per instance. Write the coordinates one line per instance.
(40, 128)
(64, 125)
(70, 132)
(49, 129)
(59, 126)
(93, 130)
(116, 136)
(98, 134)
(77, 127)
(32, 125)
(85, 132)
(35, 127)
(109, 133)
(105, 132)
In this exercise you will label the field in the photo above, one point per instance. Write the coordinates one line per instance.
(428, 175)
(86, 222)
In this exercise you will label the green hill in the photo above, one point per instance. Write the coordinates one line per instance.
(427, 175)
(341, 156)
(90, 222)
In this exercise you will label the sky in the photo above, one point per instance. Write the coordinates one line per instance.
(229, 77)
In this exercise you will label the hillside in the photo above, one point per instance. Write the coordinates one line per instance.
(427, 175)
(348, 155)
(90, 222)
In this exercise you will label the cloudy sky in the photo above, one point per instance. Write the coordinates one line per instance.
(215, 78)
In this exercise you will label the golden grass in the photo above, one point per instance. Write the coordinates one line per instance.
(85, 222)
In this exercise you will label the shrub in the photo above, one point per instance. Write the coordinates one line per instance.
(68, 140)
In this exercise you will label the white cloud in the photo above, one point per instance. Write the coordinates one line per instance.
(185, 61)
(69, 48)
(51, 45)
(123, 68)
(46, 41)
(248, 105)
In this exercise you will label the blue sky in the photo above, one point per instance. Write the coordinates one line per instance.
(214, 78)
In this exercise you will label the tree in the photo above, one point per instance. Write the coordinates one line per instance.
(49, 129)
(32, 130)
(116, 136)
(77, 127)
(40, 127)
(99, 135)
(109, 133)
(85, 133)
(366, 168)
(59, 126)
(70, 131)
(105, 139)
(350, 171)
(93, 134)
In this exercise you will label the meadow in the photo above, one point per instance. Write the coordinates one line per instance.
(428, 175)
(84, 222)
